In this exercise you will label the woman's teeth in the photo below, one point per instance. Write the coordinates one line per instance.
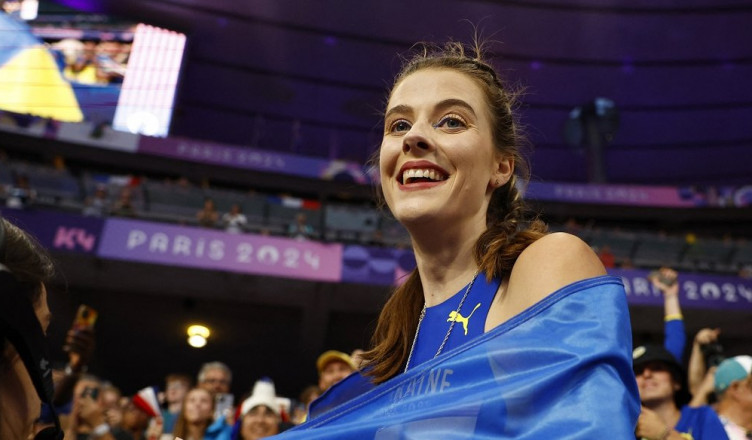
(409, 176)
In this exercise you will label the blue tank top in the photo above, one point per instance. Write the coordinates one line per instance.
(470, 323)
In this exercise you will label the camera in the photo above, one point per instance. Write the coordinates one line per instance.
(713, 354)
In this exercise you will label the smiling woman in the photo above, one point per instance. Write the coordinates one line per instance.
(502, 330)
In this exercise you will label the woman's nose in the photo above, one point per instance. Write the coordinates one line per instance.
(417, 138)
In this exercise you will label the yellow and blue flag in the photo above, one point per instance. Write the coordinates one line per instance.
(561, 370)
(30, 79)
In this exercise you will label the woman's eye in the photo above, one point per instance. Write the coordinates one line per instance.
(451, 123)
(399, 126)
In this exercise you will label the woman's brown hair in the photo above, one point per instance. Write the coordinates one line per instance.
(29, 263)
(181, 424)
(509, 229)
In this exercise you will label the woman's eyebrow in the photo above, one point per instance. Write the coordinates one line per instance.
(398, 109)
(454, 102)
(441, 105)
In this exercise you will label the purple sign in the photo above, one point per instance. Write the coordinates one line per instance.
(58, 231)
(640, 195)
(700, 291)
(208, 249)
(252, 159)
(630, 195)
(375, 265)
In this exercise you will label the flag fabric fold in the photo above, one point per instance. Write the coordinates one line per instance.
(561, 369)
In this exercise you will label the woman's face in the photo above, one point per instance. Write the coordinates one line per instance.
(259, 422)
(437, 158)
(198, 406)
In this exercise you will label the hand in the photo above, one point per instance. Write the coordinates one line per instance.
(79, 344)
(114, 416)
(665, 280)
(650, 425)
(707, 335)
(155, 429)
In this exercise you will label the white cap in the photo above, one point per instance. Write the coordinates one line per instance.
(264, 394)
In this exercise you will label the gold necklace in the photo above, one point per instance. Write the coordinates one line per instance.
(451, 326)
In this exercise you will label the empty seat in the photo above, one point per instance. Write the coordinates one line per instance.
(707, 254)
(655, 250)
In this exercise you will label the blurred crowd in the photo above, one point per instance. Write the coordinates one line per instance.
(200, 406)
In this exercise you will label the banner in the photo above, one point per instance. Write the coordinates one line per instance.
(696, 290)
(641, 195)
(159, 243)
(253, 159)
(57, 231)
(376, 265)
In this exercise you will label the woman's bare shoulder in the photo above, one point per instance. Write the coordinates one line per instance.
(552, 262)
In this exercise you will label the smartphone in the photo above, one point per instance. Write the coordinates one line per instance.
(223, 406)
(86, 317)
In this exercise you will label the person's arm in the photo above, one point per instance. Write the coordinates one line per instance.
(79, 344)
(701, 393)
(666, 280)
(697, 367)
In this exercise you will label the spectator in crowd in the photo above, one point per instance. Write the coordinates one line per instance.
(97, 205)
(607, 257)
(135, 420)
(664, 416)
(176, 387)
(20, 195)
(300, 229)
(308, 395)
(84, 68)
(234, 221)
(208, 215)
(196, 419)
(666, 280)
(333, 366)
(124, 206)
(703, 360)
(25, 268)
(260, 414)
(87, 419)
(733, 386)
(216, 378)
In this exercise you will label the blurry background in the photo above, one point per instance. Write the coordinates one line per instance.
(653, 93)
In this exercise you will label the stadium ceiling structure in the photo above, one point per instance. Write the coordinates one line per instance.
(310, 77)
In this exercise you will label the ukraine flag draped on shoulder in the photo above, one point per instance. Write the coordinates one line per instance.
(561, 370)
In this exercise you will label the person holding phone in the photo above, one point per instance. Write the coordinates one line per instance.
(25, 269)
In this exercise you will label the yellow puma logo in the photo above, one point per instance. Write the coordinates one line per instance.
(456, 317)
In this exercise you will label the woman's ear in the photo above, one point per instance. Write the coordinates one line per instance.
(504, 168)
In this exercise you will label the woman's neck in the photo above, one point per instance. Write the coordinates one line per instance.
(445, 263)
(195, 431)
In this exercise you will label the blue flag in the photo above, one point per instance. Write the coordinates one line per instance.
(561, 369)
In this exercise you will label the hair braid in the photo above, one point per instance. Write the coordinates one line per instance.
(509, 231)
